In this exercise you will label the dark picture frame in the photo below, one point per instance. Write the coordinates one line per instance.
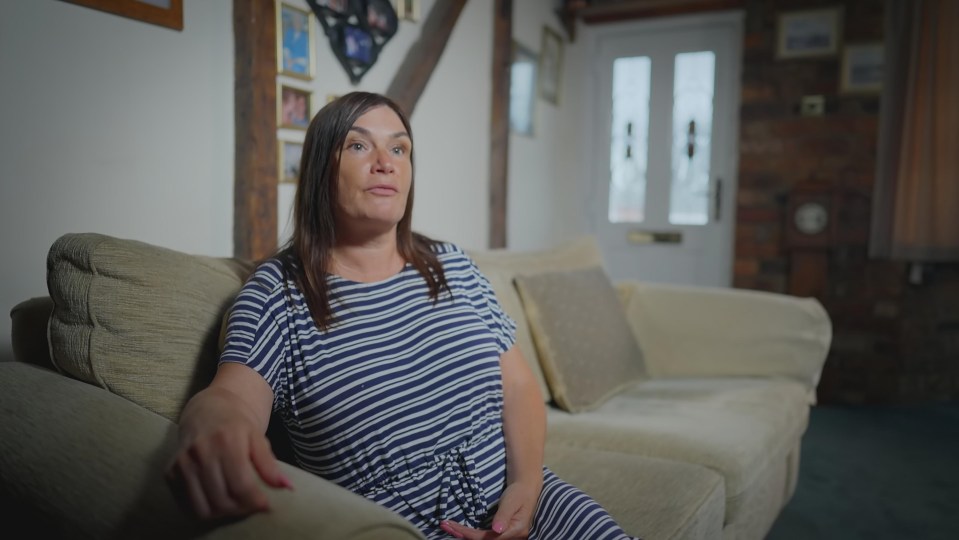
(166, 13)
(357, 31)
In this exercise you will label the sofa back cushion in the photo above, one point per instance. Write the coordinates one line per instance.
(139, 320)
(501, 266)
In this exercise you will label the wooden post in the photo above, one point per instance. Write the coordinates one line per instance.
(256, 169)
(499, 120)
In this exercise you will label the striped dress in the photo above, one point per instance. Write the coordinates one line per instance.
(400, 400)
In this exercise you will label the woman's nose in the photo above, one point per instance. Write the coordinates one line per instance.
(384, 162)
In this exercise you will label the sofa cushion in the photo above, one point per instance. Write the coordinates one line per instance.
(501, 266)
(648, 497)
(139, 320)
(585, 345)
(735, 426)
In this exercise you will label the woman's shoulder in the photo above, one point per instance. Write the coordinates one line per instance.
(268, 277)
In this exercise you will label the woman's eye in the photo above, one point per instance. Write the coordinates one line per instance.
(399, 150)
(356, 146)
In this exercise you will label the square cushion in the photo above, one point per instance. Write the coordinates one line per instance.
(139, 320)
(501, 266)
(585, 345)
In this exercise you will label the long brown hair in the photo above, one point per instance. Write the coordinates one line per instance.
(314, 228)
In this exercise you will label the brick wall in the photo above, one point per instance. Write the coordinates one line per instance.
(894, 340)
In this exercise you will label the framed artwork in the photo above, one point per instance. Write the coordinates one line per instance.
(168, 13)
(295, 45)
(522, 90)
(357, 30)
(809, 33)
(288, 158)
(294, 107)
(550, 65)
(861, 68)
(408, 10)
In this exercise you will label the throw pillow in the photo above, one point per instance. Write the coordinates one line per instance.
(139, 320)
(585, 344)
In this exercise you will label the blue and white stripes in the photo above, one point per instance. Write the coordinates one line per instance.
(400, 399)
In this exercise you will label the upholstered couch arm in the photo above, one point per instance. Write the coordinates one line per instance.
(687, 331)
(77, 461)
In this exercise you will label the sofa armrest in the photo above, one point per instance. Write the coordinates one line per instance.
(77, 461)
(688, 331)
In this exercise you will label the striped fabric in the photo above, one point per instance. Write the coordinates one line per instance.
(400, 400)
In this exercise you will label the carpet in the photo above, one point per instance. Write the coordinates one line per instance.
(876, 472)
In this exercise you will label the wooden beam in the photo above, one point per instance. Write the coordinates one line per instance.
(615, 11)
(421, 58)
(256, 170)
(499, 121)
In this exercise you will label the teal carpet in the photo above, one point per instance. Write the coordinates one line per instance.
(876, 472)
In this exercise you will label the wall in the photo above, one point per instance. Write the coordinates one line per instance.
(894, 340)
(114, 126)
(140, 121)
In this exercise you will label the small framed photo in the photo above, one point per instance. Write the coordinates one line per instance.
(550, 65)
(295, 45)
(381, 18)
(288, 158)
(357, 46)
(407, 10)
(862, 69)
(294, 107)
(809, 33)
(522, 90)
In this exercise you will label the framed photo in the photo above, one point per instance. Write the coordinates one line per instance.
(168, 13)
(334, 7)
(809, 33)
(357, 46)
(862, 68)
(407, 10)
(550, 65)
(522, 90)
(294, 107)
(295, 45)
(289, 161)
(381, 17)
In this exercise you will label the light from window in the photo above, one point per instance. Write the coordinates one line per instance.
(628, 157)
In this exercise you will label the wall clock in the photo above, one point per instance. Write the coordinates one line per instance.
(811, 217)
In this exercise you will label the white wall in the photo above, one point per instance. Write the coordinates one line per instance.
(115, 126)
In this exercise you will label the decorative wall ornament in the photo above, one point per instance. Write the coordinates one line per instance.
(357, 30)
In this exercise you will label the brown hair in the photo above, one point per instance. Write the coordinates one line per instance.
(314, 228)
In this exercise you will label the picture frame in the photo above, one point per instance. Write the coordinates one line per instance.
(407, 10)
(295, 43)
(550, 65)
(289, 153)
(861, 68)
(166, 13)
(809, 33)
(294, 107)
(522, 90)
(333, 7)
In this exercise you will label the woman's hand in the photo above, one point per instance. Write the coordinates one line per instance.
(512, 520)
(223, 452)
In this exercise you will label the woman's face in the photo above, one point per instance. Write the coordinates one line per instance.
(375, 173)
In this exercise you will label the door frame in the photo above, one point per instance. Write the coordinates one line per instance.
(729, 154)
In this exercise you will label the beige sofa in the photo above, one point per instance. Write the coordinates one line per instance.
(706, 446)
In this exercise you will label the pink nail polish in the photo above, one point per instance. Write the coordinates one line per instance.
(498, 527)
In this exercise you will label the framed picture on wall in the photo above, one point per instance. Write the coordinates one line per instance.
(861, 68)
(295, 45)
(168, 13)
(550, 65)
(289, 160)
(522, 90)
(294, 107)
(809, 33)
(407, 10)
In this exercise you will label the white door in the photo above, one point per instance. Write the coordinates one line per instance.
(663, 167)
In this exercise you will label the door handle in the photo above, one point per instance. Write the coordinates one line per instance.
(718, 198)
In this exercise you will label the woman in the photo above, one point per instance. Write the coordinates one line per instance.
(387, 357)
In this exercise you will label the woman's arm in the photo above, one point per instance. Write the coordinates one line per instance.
(223, 446)
(524, 426)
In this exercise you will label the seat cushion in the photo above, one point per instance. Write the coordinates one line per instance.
(656, 499)
(139, 320)
(734, 426)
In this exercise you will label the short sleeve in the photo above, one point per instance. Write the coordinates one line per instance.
(501, 324)
(256, 334)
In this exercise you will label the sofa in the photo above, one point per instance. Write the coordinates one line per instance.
(701, 441)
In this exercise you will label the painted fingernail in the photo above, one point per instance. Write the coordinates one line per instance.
(498, 527)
